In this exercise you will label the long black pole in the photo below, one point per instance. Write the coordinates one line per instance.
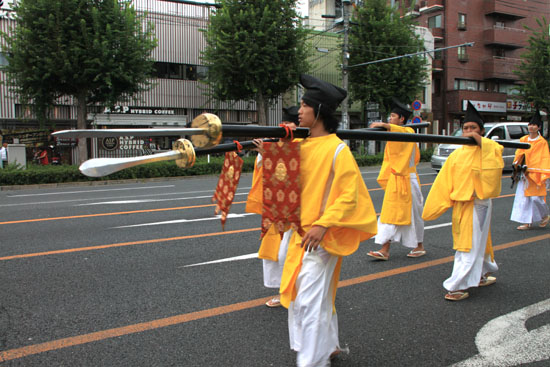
(279, 132)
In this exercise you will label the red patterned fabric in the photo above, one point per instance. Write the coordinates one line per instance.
(281, 186)
(227, 184)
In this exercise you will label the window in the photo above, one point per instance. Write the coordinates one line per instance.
(499, 52)
(462, 55)
(3, 59)
(463, 84)
(202, 72)
(169, 70)
(190, 72)
(338, 10)
(434, 22)
(498, 132)
(515, 131)
(436, 87)
(438, 55)
(511, 89)
(175, 71)
(461, 21)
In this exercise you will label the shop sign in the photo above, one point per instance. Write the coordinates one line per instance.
(65, 142)
(485, 106)
(518, 105)
(30, 137)
(131, 143)
(139, 110)
(109, 143)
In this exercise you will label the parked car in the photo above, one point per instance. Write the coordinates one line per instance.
(511, 131)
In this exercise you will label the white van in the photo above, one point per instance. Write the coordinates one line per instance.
(511, 131)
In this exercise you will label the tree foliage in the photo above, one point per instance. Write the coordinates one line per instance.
(378, 32)
(98, 51)
(534, 69)
(255, 51)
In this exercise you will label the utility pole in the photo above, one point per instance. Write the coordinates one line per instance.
(345, 56)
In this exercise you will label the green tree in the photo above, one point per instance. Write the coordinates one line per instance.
(255, 51)
(98, 52)
(378, 32)
(534, 69)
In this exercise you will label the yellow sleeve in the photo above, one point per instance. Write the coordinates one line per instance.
(488, 180)
(400, 152)
(349, 213)
(519, 152)
(385, 170)
(255, 195)
(439, 197)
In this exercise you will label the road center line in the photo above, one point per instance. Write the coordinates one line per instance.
(143, 242)
(16, 353)
(115, 213)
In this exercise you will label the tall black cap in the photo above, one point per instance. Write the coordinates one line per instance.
(290, 114)
(473, 116)
(319, 92)
(400, 109)
(536, 119)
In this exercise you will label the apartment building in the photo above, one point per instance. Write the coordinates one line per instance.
(482, 73)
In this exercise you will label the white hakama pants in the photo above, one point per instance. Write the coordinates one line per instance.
(312, 320)
(528, 209)
(409, 235)
(273, 270)
(469, 267)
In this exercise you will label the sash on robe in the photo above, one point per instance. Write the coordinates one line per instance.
(281, 187)
(227, 184)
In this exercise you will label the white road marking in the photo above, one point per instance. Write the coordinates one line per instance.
(505, 341)
(254, 255)
(242, 257)
(216, 217)
(139, 201)
(119, 197)
(86, 191)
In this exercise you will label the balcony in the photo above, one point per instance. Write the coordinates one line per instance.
(437, 66)
(429, 6)
(501, 68)
(438, 33)
(505, 9)
(510, 38)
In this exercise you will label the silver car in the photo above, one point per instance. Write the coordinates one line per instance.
(511, 131)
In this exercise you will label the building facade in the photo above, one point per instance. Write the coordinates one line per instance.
(482, 73)
(175, 99)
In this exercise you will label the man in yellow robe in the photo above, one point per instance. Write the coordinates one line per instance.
(530, 201)
(401, 216)
(468, 180)
(336, 214)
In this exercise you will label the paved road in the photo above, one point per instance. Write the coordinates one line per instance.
(141, 274)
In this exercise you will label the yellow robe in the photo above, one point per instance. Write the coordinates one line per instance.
(469, 172)
(394, 177)
(537, 160)
(269, 247)
(348, 211)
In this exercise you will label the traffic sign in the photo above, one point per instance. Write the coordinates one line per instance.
(416, 105)
(416, 120)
